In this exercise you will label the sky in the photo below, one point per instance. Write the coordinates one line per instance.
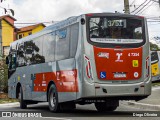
(35, 11)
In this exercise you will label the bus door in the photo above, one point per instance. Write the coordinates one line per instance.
(33, 71)
(66, 79)
(66, 74)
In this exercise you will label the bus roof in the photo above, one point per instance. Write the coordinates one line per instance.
(113, 14)
(48, 29)
(66, 22)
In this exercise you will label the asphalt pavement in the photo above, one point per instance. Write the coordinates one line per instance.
(85, 112)
(152, 102)
(127, 110)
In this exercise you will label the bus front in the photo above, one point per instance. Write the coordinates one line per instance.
(116, 56)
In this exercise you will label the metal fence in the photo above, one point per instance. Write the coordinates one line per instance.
(3, 76)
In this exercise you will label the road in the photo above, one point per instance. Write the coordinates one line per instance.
(85, 112)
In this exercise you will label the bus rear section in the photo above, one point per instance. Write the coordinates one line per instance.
(155, 65)
(116, 58)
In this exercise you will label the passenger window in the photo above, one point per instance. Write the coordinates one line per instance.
(49, 47)
(29, 49)
(62, 34)
(20, 55)
(33, 51)
(12, 61)
(74, 39)
(62, 44)
(36, 51)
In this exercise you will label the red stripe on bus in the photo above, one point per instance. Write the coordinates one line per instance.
(66, 82)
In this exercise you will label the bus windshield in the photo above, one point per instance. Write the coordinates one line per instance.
(115, 30)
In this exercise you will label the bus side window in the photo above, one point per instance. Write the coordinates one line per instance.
(35, 51)
(62, 44)
(13, 58)
(49, 47)
(29, 47)
(9, 62)
(74, 39)
(20, 55)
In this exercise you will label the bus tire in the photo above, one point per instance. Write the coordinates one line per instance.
(23, 104)
(104, 107)
(54, 106)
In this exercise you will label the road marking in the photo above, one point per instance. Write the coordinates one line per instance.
(144, 106)
(155, 88)
(56, 118)
(9, 104)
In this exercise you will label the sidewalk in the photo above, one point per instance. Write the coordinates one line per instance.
(3, 95)
(5, 100)
(150, 103)
(9, 104)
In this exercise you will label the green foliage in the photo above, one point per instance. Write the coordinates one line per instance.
(3, 75)
(154, 47)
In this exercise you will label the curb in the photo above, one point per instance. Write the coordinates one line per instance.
(143, 105)
(9, 104)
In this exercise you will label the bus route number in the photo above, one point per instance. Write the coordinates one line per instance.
(116, 23)
(133, 54)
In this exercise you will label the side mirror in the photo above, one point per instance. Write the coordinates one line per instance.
(7, 60)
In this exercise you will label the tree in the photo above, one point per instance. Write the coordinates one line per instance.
(3, 66)
(154, 46)
(3, 76)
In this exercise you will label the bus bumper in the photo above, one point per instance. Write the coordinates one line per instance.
(136, 90)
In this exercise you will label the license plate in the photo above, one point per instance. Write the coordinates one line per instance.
(120, 75)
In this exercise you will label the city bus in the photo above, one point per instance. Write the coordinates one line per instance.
(98, 58)
(155, 65)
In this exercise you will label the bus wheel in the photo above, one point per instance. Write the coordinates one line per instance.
(54, 106)
(103, 107)
(23, 104)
